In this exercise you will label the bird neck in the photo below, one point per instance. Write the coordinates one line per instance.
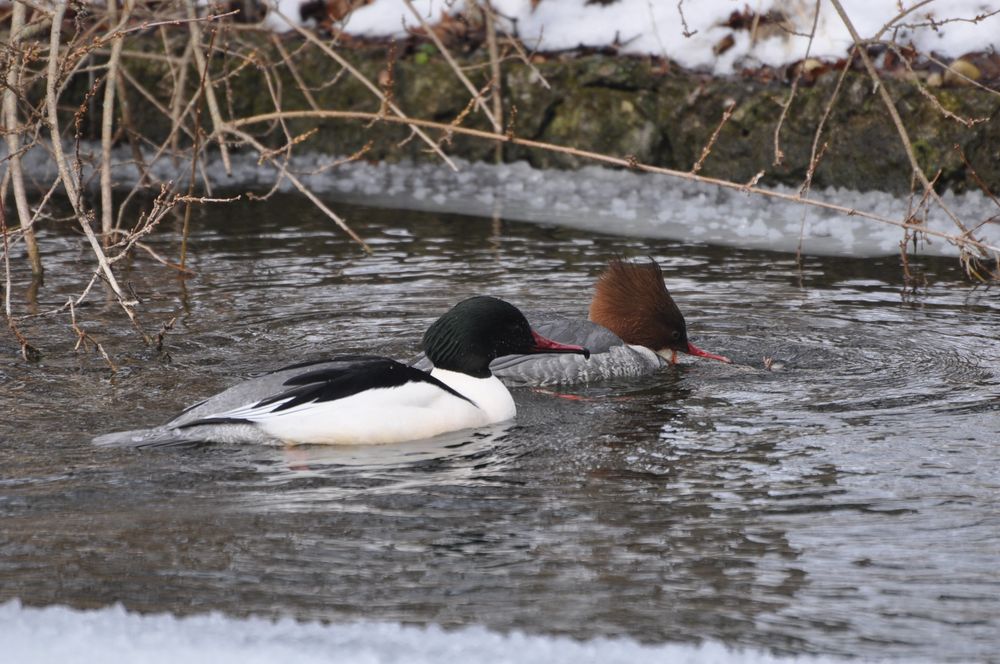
(487, 393)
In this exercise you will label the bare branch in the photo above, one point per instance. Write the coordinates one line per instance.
(779, 155)
(454, 66)
(209, 91)
(903, 135)
(232, 128)
(687, 32)
(13, 137)
(707, 150)
(68, 180)
(107, 118)
(496, 81)
(959, 240)
(368, 84)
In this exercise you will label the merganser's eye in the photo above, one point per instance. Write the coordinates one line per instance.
(675, 335)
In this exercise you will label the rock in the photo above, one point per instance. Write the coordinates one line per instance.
(961, 72)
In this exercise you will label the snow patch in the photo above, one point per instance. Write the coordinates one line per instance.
(657, 28)
(54, 635)
(599, 200)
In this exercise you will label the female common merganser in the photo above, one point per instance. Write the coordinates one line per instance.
(635, 328)
(359, 399)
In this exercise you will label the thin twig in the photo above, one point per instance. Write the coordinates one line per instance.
(454, 66)
(632, 164)
(816, 155)
(13, 136)
(209, 91)
(935, 25)
(707, 150)
(177, 98)
(340, 162)
(927, 94)
(961, 76)
(82, 338)
(186, 271)
(155, 103)
(496, 82)
(204, 92)
(816, 152)
(687, 32)
(975, 178)
(146, 25)
(132, 135)
(161, 335)
(68, 181)
(901, 130)
(309, 35)
(779, 155)
(148, 222)
(892, 22)
(26, 349)
(525, 58)
(290, 64)
(107, 118)
(232, 129)
(37, 7)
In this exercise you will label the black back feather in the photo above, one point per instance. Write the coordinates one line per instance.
(352, 374)
(362, 373)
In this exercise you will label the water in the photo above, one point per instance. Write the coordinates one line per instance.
(843, 503)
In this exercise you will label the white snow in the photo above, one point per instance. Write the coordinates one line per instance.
(620, 202)
(655, 26)
(595, 199)
(56, 635)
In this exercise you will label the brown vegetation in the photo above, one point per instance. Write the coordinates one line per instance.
(69, 68)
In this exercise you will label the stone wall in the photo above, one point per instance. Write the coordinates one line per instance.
(645, 108)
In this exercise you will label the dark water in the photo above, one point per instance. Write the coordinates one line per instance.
(846, 502)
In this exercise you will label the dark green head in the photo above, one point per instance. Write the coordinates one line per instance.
(476, 331)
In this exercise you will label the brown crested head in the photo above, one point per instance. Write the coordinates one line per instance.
(632, 301)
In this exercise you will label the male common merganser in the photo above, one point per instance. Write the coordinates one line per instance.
(359, 399)
(635, 328)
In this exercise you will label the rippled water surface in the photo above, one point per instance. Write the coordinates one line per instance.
(846, 502)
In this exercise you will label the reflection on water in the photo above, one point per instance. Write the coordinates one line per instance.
(421, 455)
(842, 502)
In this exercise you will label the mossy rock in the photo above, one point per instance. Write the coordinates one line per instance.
(623, 107)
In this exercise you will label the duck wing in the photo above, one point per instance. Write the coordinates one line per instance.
(610, 357)
(230, 415)
(315, 382)
(595, 338)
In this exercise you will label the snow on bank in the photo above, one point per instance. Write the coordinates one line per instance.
(620, 202)
(54, 635)
(593, 199)
(656, 27)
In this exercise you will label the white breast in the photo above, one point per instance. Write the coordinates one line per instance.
(489, 394)
(389, 415)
